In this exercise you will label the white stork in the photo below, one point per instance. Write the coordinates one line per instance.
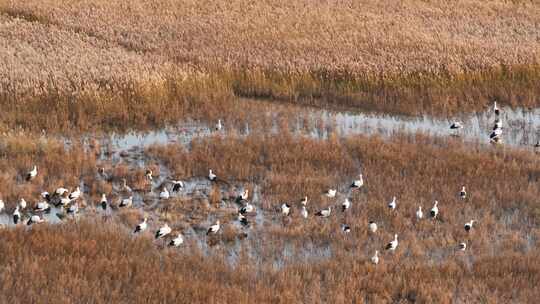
(177, 241)
(163, 231)
(214, 228)
(392, 245)
(435, 210)
(142, 226)
(324, 212)
(356, 184)
(32, 174)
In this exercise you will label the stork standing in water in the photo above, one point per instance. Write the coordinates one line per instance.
(164, 194)
(392, 245)
(32, 174)
(219, 126)
(177, 241)
(163, 231)
(16, 215)
(177, 185)
(456, 126)
(142, 226)
(42, 206)
(103, 201)
(496, 109)
(35, 219)
(356, 184)
(243, 220)
(214, 228)
(211, 176)
(243, 197)
(435, 210)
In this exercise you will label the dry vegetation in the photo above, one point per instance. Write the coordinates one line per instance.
(85, 64)
(296, 261)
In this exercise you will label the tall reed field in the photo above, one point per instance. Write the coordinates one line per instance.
(291, 259)
(84, 65)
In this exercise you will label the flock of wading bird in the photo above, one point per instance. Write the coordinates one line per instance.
(67, 201)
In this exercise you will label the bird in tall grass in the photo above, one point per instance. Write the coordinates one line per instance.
(419, 213)
(372, 226)
(537, 147)
(2, 205)
(285, 209)
(164, 194)
(177, 185)
(435, 210)
(22, 203)
(496, 108)
(345, 205)
(214, 228)
(393, 204)
(142, 226)
(375, 258)
(211, 176)
(469, 225)
(16, 215)
(163, 231)
(34, 219)
(330, 193)
(243, 196)
(46, 196)
(32, 174)
(304, 201)
(462, 246)
(177, 241)
(324, 212)
(73, 209)
(304, 212)
(247, 208)
(243, 220)
(60, 191)
(356, 184)
(125, 186)
(463, 193)
(75, 194)
(126, 202)
(392, 245)
(149, 175)
(345, 228)
(103, 201)
(219, 125)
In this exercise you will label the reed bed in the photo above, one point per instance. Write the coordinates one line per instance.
(102, 64)
(294, 260)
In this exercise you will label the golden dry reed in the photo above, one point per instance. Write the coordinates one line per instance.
(84, 65)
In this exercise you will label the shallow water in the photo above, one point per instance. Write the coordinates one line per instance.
(520, 128)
